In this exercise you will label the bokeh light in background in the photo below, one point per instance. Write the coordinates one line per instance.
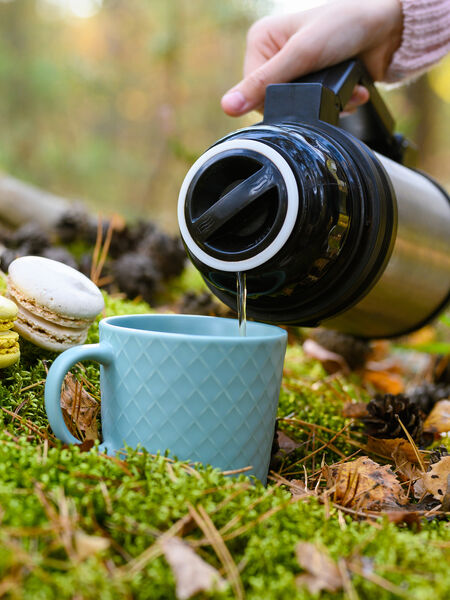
(84, 9)
(112, 100)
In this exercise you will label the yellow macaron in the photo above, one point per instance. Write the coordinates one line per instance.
(9, 340)
(9, 348)
(8, 313)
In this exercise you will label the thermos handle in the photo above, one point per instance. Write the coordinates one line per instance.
(99, 352)
(321, 96)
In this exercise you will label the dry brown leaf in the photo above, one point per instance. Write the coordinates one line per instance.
(286, 444)
(438, 421)
(384, 381)
(89, 545)
(299, 490)
(436, 481)
(404, 517)
(323, 572)
(355, 410)
(86, 445)
(364, 484)
(79, 408)
(331, 361)
(399, 449)
(407, 472)
(192, 574)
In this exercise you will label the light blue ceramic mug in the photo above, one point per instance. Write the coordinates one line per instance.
(188, 384)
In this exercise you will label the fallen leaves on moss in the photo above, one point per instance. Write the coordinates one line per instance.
(438, 421)
(322, 572)
(192, 573)
(80, 409)
(436, 481)
(115, 513)
(365, 485)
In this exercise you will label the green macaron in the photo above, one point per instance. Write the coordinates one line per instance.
(9, 340)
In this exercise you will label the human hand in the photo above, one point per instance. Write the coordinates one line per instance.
(283, 48)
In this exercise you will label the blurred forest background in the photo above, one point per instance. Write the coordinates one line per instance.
(110, 101)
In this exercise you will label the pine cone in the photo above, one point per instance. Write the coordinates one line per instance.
(384, 414)
(203, 304)
(354, 350)
(29, 239)
(437, 454)
(167, 252)
(136, 275)
(73, 225)
(426, 395)
(125, 240)
(197, 304)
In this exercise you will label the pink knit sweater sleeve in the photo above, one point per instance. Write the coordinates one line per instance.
(425, 39)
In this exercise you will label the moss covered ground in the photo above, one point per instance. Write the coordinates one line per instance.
(78, 525)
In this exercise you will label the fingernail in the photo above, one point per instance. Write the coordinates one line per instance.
(234, 101)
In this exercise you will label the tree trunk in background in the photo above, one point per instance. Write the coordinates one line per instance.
(21, 203)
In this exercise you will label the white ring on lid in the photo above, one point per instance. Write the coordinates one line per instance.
(289, 220)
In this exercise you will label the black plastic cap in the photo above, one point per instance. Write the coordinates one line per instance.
(236, 204)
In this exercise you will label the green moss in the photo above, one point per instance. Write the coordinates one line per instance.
(309, 398)
(115, 305)
(131, 503)
(144, 498)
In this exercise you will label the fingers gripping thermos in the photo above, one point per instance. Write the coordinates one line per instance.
(325, 217)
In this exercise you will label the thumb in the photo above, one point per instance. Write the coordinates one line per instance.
(249, 93)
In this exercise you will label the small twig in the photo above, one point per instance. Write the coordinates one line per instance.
(98, 245)
(346, 580)
(236, 471)
(244, 528)
(306, 458)
(33, 385)
(104, 251)
(378, 580)
(205, 523)
(27, 423)
(137, 564)
(411, 441)
(106, 280)
(235, 520)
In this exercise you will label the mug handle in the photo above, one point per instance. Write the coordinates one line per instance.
(102, 353)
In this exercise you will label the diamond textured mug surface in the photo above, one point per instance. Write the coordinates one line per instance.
(188, 384)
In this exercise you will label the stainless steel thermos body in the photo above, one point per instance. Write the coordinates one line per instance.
(327, 228)
(415, 284)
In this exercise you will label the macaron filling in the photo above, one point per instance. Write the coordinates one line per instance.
(30, 325)
(41, 311)
(5, 325)
(9, 342)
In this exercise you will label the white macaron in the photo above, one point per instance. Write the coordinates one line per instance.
(56, 304)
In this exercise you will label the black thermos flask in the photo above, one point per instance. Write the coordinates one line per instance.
(322, 213)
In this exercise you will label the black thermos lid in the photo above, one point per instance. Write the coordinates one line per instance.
(238, 204)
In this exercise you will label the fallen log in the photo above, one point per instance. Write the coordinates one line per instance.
(21, 203)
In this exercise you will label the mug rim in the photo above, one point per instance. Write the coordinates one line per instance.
(273, 331)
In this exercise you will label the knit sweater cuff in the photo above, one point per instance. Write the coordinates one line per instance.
(425, 38)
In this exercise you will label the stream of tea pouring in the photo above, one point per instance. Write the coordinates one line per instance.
(241, 285)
